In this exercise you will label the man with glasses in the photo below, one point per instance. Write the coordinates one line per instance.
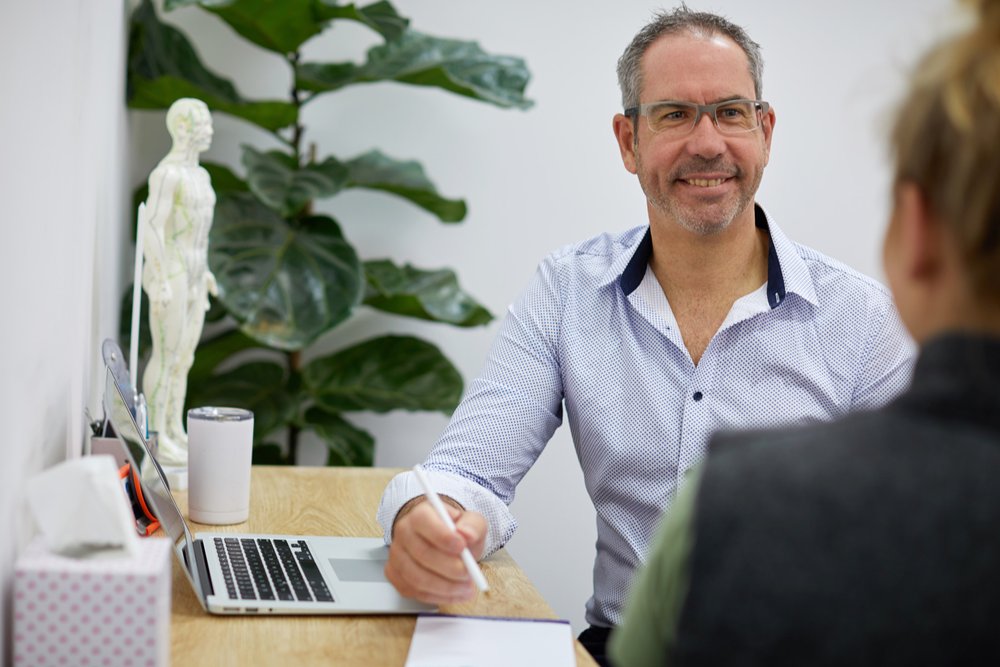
(705, 318)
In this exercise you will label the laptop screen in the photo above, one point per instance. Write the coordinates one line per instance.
(154, 485)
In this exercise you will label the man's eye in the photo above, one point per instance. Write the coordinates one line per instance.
(672, 114)
(734, 112)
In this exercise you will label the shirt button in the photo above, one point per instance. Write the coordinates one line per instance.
(696, 396)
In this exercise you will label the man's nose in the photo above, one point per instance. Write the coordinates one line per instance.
(705, 139)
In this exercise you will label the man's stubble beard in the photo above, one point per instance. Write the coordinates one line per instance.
(694, 220)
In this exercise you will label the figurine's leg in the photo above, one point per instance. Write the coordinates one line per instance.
(188, 340)
(166, 323)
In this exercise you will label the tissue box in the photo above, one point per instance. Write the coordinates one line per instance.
(96, 611)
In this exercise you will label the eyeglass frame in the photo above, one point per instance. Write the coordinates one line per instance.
(711, 110)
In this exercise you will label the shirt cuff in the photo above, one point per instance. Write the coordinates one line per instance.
(405, 486)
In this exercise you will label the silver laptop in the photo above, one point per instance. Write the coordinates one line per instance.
(234, 573)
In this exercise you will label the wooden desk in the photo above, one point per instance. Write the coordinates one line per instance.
(326, 501)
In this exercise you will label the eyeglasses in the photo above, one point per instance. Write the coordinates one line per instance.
(680, 118)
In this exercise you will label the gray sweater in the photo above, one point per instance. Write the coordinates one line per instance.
(871, 541)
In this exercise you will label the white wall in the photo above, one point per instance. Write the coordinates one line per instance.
(62, 183)
(538, 179)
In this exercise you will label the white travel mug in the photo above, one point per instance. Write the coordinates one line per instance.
(220, 448)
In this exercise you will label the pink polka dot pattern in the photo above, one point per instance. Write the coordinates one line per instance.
(104, 612)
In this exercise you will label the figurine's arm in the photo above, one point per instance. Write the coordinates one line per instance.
(209, 204)
(210, 284)
(163, 190)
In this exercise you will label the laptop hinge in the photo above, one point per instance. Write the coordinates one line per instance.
(202, 569)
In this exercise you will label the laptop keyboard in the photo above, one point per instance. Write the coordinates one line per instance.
(268, 569)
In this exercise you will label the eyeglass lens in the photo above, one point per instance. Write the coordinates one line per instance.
(680, 117)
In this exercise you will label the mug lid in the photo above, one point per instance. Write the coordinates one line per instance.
(211, 413)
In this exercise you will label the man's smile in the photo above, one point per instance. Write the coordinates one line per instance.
(704, 182)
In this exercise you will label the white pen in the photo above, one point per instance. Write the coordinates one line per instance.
(435, 501)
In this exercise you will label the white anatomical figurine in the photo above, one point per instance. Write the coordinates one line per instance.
(176, 220)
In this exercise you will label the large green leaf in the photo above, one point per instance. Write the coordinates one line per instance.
(223, 178)
(283, 26)
(284, 186)
(347, 445)
(428, 295)
(280, 26)
(379, 16)
(457, 66)
(214, 350)
(257, 386)
(269, 454)
(163, 67)
(382, 374)
(406, 179)
(216, 311)
(286, 282)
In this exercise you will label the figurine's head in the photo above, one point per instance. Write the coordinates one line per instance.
(190, 123)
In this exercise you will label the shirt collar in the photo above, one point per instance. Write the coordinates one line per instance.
(785, 262)
(786, 272)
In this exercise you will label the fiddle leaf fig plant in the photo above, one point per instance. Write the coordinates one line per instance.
(287, 275)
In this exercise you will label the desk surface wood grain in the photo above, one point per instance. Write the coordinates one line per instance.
(326, 501)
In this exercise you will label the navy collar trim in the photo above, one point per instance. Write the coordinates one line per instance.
(636, 268)
(775, 280)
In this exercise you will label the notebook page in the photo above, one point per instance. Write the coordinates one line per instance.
(473, 641)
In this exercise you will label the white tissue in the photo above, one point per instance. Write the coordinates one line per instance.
(81, 509)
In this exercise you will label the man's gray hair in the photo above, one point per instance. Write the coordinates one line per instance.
(667, 23)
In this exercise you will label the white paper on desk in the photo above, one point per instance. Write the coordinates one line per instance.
(475, 641)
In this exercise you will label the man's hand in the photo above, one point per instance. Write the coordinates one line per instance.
(424, 561)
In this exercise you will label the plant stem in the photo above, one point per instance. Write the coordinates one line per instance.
(295, 365)
(295, 358)
(296, 97)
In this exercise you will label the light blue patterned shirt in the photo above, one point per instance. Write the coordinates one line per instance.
(593, 334)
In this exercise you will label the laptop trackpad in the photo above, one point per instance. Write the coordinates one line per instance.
(356, 569)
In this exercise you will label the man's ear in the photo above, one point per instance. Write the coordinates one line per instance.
(625, 134)
(767, 126)
(921, 244)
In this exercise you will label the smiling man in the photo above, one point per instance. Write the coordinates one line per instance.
(705, 317)
(698, 138)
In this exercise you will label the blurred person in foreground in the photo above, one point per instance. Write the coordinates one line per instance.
(874, 540)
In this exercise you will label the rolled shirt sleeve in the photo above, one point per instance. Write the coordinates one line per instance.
(504, 421)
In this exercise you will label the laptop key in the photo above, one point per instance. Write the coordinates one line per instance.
(278, 578)
(241, 574)
(256, 569)
(295, 579)
(268, 569)
(227, 572)
(312, 574)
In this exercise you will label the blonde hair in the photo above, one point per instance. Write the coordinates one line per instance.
(946, 141)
